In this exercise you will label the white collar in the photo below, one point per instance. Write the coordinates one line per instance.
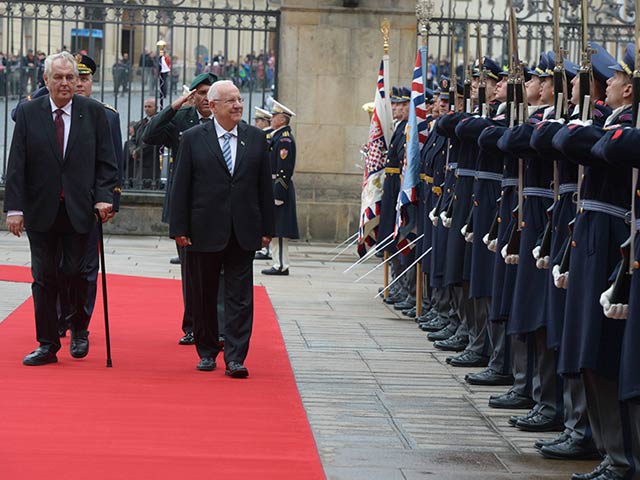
(66, 109)
(220, 131)
(614, 114)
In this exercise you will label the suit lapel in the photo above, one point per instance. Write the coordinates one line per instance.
(77, 114)
(241, 148)
(50, 129)
(211, 140)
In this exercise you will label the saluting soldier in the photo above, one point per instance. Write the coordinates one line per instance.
(283, 162)
(166, 128)
(591, 343)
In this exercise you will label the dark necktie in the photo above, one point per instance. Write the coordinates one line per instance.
(59, 124)
(204, 120)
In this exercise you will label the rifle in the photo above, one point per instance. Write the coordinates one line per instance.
(560, 91)
(495, 224)
(622, 283)
(586, 78)
(482, 79)
(566, 256)
(517, 109)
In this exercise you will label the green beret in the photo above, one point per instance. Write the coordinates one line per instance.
(203, 78)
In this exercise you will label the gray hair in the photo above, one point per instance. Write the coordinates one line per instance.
(48, 62)
(212, 94)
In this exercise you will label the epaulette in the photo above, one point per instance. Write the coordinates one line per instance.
(285, 134)
(625, 117)
(109, 107)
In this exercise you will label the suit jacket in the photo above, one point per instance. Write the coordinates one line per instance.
(208, 203)
(37, 173)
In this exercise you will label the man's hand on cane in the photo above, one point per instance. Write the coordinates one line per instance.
(105, 210)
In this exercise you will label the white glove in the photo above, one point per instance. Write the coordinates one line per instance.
(446, 221)
(433, 217)
(278, 202)
(616, 311)
(560, 120)
(577, 121)
(493, 246)
(468, 237)
(509, 259)
(541, 263)
(560, 280)
(503, 252)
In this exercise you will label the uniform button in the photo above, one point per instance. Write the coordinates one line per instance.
(475, 203)
(638, 193)
(522, 225)
(636, 265)
(573, 243)
(499, 220)
(455, 197)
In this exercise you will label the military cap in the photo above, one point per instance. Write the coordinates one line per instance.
(540, 69)
(203, 79)
(262, 113)
(627, 64)
(490, 67)
(280, 108)
(570, 68)
(400, 94)
(600, 62)
(428, 95)
(86, 65)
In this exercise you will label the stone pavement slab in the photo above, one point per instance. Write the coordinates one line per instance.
(381, 401)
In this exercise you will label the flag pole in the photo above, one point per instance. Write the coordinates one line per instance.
(385, 28)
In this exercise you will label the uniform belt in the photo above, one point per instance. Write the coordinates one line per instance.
(452, 166)
(465, 172)
(392, 170)
(607, 208)
(537, 192)
(426, 178)
(509, 182)
(489, 176)
(568, 188)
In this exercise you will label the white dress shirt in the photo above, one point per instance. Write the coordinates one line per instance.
(233, 141)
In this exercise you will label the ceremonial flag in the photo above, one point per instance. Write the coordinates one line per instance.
(375, 153)
(416, 136)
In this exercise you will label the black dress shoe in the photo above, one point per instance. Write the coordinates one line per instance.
(393, 299)
(403, 305)
(434, 325)
(447, 332)
(79, 346)
(62, 331)
(488, 377)
(175, 261)
(599, 470)
(187, 339)
(236, 370)
(563, 437)
(206, 364)
(540, 423)
(572, 449)
(514, 419)
(262, 256)
(469, 359)
(510, 400)
(275, 271)
(457, 343)
(411, 313)
(40, 356)
(609, 474)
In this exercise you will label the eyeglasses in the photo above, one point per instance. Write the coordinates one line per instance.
(231, 101)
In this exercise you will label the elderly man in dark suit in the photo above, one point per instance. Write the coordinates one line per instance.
(222, 209)
(61, 167)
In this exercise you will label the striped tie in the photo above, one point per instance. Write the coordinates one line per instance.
(226, 151)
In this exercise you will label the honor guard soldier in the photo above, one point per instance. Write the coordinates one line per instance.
(262, 120)
(400, 97)
(591, 343)
(435, 153)
(166, 128)
(576, 441)
(283, 161)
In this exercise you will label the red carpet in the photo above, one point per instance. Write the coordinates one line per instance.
(151, 416)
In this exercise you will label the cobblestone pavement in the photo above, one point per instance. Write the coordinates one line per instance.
(382, 402)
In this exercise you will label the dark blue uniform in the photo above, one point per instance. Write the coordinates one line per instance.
(282, 149)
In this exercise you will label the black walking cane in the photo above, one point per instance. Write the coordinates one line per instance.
(105, 304)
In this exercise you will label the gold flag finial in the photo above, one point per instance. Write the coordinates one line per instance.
(385, 28)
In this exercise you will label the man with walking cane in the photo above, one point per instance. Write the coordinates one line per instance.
(54, 183)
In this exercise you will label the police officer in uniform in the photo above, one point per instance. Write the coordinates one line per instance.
(283, 161)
